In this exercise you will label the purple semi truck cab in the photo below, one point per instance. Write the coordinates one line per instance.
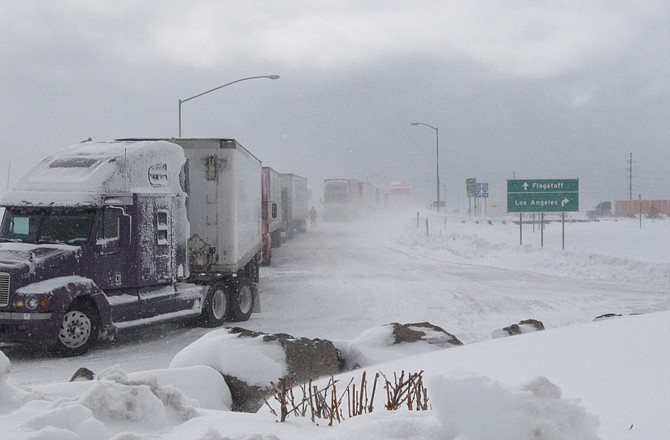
(96, 237)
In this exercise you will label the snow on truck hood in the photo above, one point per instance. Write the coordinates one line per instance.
(102, 168)
(20, 255)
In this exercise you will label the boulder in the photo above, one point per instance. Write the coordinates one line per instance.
(424, 331)
(607, 316)
(525, 326)
(82, 373)
(246, 397)
(305, 359)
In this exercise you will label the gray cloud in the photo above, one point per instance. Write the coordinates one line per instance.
(517, 88)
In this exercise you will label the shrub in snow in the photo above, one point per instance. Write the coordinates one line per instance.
(475, 407)
(333, 402)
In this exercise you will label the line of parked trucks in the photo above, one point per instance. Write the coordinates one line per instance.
(347, 199)
(102, 236)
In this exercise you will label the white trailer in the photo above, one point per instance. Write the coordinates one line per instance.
(223, 183)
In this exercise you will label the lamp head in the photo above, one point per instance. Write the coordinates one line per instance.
(273, 76)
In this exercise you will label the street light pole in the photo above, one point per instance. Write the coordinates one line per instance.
(181, 101)
(437, 164)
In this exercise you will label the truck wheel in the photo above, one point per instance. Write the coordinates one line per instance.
(215, 308)
(78, 330)
(241, 301)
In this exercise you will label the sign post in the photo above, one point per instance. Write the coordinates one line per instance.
(470, 187)
(482, 192)
(543, 195)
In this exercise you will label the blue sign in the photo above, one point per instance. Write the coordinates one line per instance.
(482, 190)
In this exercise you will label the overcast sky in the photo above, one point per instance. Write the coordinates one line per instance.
(518, 89)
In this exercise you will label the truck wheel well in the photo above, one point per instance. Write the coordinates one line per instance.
(86, 301)
(83, 299)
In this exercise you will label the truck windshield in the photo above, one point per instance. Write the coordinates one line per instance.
(52, 225)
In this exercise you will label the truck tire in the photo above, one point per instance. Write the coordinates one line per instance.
(79, 329)
(241, 300)
(215, 307)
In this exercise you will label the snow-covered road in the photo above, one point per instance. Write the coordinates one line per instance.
(341, 279)
(338, 280)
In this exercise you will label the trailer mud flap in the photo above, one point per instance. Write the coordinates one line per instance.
(257, 298)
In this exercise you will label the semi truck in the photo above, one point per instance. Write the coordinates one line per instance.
(102, 236)
(295, 203)
(342, 199)
(272, 216)
(369, 197)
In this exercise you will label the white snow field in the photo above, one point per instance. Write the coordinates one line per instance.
(578, 379)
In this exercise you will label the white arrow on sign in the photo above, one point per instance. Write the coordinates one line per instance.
(564, 202)
(525, 186)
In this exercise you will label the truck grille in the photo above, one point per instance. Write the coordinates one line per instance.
(4, 289)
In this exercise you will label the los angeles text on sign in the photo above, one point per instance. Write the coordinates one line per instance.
(543, 195)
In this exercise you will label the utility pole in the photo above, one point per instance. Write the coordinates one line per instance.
(630, 177)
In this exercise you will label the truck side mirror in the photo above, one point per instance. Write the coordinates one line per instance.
(124, 230)
(274, 210)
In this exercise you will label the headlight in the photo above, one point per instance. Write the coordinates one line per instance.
(32, 303)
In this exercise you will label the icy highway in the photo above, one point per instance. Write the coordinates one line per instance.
(339, 279)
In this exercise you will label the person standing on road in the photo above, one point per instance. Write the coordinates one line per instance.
(312, 216)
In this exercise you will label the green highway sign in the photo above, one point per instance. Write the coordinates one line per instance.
(543, 195)
(470, 186)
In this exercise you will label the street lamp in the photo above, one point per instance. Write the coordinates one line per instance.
(437, 162)
(181, 101)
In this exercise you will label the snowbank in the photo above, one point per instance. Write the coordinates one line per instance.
(616, 251)
(536, 411)
(248, 359)
(550, 385)
(114, 402)
(200, 384)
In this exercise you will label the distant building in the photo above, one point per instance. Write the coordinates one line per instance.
(627, 208)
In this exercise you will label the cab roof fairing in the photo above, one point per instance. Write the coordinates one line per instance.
(85, 174)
